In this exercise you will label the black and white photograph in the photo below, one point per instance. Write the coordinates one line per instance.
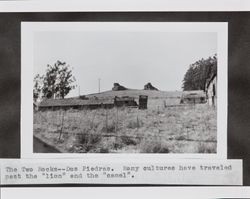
(125, 87)
(125, 95)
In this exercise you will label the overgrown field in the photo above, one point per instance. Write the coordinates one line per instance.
(158, 129)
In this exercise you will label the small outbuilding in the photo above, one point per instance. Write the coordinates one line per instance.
(125, 101)
(193, 97)
(143, 102)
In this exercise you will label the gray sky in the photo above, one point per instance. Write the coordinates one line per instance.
(129, 58)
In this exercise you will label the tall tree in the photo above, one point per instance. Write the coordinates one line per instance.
(57, 81)
(37, 89)
(199, 72)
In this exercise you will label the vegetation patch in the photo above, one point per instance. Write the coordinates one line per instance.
(184, 129)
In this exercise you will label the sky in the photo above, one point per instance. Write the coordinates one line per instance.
(131, 59)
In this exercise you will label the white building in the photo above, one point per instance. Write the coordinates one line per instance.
(211, 90)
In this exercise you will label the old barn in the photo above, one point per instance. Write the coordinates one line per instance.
(87, 103)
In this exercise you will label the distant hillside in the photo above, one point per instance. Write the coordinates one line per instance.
(135, 93)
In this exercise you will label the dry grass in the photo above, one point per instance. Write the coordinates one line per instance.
(155, 145)
(159, 129)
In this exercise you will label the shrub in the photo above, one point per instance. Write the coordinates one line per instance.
(155, 146)
(180, 137)
(117, 144)
(206, 147)
(110, 127)
(89, 140)
(135, 123)
(127, 140)
(104, 150)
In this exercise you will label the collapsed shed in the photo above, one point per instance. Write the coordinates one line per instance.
(193, 97)
(125, 101)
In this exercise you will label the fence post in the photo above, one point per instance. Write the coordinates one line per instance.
(61, 126)
(137, 119)
(116, 123)
(138, 123)
(106, 121)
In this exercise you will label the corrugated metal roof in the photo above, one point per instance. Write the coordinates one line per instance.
(74, 102)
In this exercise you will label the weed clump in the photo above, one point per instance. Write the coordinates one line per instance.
(135, 123)
(88, 141)
(110, 127)
(206, 148)
(128, 140)
(180, 137)
(155, 146)
(104, 150)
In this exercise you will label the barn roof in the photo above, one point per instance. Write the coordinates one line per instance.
(74, 102)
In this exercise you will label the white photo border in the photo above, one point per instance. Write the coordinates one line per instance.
(121, 6)
(189, 192)
(27, 59)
